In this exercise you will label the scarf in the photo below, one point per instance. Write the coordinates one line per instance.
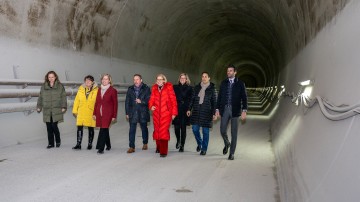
(202, 91)
(104, 89)
(137, 90)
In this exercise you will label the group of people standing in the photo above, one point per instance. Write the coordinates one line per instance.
(179, 104)
(93, 107)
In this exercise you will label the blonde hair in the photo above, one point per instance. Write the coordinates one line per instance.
(163, 76)
(187, 78)
(109, 76)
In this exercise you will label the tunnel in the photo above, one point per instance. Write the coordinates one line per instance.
(297, 58)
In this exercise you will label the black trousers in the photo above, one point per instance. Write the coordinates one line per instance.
(180, 133)
(103, 139)
(52, 129)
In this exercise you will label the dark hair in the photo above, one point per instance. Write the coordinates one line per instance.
(91, 78)
(231, 66)
(205, 73)
(47, 75)
(138, 75)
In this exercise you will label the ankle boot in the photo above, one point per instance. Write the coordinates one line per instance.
(77, 147)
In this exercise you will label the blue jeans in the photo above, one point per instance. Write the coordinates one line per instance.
(132, 131)
(204, 142)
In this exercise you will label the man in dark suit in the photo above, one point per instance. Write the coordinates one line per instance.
(232, 101)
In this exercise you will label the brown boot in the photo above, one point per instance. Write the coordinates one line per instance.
(145, 147)
(130, 150)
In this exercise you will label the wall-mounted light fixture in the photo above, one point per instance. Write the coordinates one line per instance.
(281, 91)
(306, 83)
(306, 87)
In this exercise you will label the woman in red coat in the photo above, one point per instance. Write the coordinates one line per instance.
(105, 112)
(164, 107)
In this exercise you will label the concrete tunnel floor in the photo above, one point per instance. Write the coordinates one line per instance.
(30, 172)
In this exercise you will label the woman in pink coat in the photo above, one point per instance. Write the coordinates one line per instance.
(163, 105)
(105, 112)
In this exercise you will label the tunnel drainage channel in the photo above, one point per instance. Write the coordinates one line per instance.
(183, 190)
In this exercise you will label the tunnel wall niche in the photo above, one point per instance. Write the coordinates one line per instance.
(32, 61)
(318, 159)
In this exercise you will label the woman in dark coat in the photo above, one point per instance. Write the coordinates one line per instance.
(105, 112)
(164, 107)
(52, 101)
(203, 106)
(183, 92)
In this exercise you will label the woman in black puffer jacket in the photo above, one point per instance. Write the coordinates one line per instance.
(202, 107)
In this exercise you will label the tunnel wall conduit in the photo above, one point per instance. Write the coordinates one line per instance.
(344, 112)
(341, 112)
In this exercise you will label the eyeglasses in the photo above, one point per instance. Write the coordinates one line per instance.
(159, 79)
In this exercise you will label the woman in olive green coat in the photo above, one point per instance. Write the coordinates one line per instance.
(52, 101)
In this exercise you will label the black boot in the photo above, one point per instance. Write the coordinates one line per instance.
(79, 139)
(91, 138)
(177, 134)
(77, 147)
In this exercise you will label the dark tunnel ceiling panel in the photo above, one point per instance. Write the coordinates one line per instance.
(188, 35)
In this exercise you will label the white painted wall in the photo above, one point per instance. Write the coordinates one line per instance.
(33, 61)
(318, 159)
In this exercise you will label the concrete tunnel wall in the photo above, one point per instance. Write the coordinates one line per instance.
(316, 158)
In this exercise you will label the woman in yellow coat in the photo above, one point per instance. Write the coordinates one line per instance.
(83, 110)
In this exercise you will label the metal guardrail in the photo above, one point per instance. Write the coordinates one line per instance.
(29, 107)
(25, 83)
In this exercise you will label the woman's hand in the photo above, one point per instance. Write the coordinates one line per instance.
(63, 110)
(153, 108)
(188, 113)
(94, 117)
(172, 117)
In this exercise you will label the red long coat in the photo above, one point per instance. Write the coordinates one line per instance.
(166, 106)
(109, 105)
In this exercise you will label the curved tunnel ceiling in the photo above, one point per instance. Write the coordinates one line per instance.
(259, 36)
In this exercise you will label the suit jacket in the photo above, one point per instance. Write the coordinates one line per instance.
(238, 97)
